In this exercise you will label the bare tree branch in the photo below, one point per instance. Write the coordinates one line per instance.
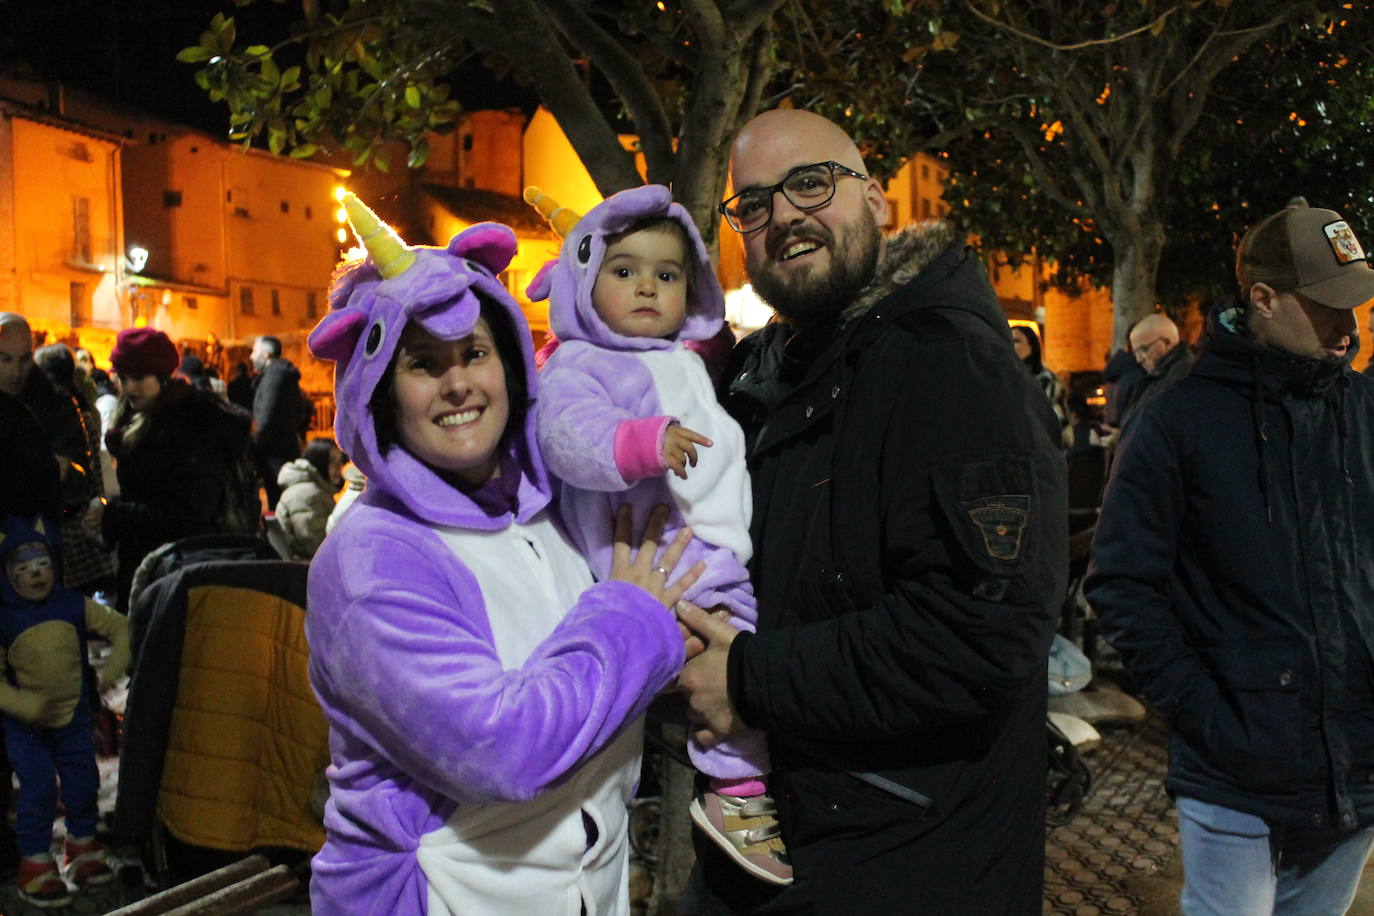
(1157, 22)
(542, 59)
(627, 79)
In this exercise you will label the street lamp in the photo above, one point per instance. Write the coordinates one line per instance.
(137, 259)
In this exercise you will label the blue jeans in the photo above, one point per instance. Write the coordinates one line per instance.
(1237, 863)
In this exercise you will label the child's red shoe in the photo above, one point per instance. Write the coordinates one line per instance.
(86, 863)
(41, 884)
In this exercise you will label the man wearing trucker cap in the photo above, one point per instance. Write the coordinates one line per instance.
(1233, 568)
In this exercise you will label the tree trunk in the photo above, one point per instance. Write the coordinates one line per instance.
(1133, 277)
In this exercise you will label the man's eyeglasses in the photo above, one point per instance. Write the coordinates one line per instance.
(806, 187)
(1144, 349)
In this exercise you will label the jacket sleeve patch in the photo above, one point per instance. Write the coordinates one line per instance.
(1002, 521)
(990, 506)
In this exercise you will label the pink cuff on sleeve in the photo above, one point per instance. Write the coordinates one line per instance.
(639, 447)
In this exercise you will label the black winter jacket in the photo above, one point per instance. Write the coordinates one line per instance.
(910, 541)
(1233, 568)
(172, 482)
(278, 406)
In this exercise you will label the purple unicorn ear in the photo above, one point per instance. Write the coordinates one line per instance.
(337, 333)
(539, 287)
(490, 244)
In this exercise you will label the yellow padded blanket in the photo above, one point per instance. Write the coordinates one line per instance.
(247, 735)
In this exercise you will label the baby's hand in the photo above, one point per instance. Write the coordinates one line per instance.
(679, 448)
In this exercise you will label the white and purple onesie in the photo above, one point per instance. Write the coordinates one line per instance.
(605, 401)
(484, 697)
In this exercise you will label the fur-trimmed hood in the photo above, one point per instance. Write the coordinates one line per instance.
(910, 250)
(567, 282)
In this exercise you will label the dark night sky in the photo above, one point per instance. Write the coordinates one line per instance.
(125, 50)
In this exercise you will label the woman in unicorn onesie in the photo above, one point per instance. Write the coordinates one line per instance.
(624, 401)
(483, 695)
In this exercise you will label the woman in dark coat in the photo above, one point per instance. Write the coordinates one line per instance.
(175, 446)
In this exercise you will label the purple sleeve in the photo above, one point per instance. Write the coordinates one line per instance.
(639, 447)
(407, 664)
(585, 394)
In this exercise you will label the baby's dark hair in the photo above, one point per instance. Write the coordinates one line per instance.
(668, 226)
(382, 405)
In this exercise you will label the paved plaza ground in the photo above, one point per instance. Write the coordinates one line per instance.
(1117, 855)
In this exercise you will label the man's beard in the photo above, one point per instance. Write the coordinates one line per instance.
(806, 298)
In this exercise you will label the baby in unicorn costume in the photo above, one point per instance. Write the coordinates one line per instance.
(483, 696)
(627, 414)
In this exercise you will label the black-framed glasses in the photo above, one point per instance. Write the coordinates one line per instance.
(806, 187)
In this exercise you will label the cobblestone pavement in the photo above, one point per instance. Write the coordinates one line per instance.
(1118, 853)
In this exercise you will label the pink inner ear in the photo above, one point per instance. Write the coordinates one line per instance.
(337, 334)
(539, 286)
(490, 244)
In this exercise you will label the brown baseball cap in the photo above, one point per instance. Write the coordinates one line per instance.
(1307, 250)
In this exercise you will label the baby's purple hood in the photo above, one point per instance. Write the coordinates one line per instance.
(567, 282)
(442, 291)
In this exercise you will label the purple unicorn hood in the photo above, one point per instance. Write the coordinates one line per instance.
(567, 282)
(443, 291)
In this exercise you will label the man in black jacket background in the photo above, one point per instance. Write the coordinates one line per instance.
(277, 409)
(910, 553)
(1233, 568)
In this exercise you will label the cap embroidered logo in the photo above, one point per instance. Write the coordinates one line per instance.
(1343, 242)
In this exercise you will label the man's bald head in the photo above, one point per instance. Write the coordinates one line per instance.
(16, 352)
(783, 130)
(1152, 338)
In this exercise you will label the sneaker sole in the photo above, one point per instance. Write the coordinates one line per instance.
(704, 824)
(46, 904)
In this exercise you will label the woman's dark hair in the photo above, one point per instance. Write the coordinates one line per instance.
(101, 379)
(1032, 359)
(382, 405)
(59, 365)
(318, 452)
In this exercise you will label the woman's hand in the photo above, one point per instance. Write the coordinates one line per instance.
(645, 567)
(680, 448)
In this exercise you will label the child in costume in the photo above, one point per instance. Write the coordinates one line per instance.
(46, 703)
(483, 695)
(624, 401)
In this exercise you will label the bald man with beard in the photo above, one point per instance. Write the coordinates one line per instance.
(909, 553)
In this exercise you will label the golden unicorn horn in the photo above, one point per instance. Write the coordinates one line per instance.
(390, 255)
(560, 218)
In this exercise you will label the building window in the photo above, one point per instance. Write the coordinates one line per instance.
(246, 300)
(191, 303)
(80, 303)
(925, 171)
(309, 214)
(286, 206)
(171, 198)
(925, 206)
(81, 229)
(311, 308)
(238, 199)
(276, 302)
(467, 143)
